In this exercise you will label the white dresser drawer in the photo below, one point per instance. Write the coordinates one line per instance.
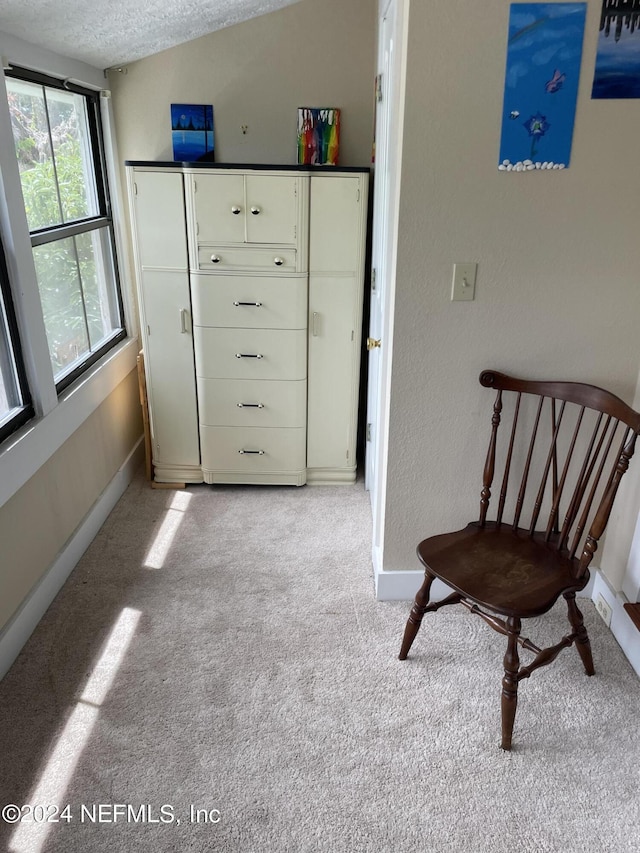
(249, 302)
(267, 259)
(250, 353)
(252, 450)
(252, 403)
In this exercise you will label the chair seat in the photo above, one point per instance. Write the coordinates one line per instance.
(507, 571)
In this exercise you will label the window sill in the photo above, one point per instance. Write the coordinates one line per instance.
(26, 451)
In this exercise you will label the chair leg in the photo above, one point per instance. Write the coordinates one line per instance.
(415, 617)
(582, 640)
(510, 681)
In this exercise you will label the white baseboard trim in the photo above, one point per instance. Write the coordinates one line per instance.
(376, 560)
(402, 586)
(18, 630)
(621, 627)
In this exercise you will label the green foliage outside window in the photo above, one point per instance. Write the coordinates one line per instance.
(58, 188)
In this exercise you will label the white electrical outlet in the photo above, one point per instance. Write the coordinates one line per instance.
(604, 610)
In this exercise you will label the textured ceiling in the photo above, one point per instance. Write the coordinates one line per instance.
(105, 33)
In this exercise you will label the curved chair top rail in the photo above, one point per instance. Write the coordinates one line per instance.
(589, 396)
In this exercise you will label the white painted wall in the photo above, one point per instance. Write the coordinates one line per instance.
(47, 62)
(557, 292)
(257, 74)
(620, 558)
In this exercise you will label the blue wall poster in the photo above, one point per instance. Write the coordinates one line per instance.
(617, 73)
(541, 85)
(192, 132)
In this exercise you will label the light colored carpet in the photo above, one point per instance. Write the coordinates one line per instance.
(242, 665)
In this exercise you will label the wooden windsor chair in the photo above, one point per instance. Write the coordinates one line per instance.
(575, 442)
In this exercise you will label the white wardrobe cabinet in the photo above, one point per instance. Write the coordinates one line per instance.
(262, 268)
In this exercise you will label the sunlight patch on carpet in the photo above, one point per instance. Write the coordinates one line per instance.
(159, 549)
(47, 798)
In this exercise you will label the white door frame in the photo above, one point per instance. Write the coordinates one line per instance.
(385, 219)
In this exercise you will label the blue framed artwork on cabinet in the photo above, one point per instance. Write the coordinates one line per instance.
(192, 132)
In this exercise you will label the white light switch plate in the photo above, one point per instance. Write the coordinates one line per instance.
(463, 287)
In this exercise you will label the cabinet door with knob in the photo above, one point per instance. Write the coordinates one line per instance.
(219, 206)
(272, 209)
(337, 223)
(168, 346)
(231, 208)
(160, 244)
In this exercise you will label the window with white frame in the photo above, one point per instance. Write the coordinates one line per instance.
(58, 141)
(15, 401)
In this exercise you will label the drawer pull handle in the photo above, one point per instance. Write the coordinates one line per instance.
(254, 452)
(255, 210)
(254, 304)
(314, 325)
(249, 355)
(183, 321)
(235, 209)
(215, 259)
(278, 262)
(250, 405)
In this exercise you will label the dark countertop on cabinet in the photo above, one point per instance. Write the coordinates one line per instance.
(203, 164)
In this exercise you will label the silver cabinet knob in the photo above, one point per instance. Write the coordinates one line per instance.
(278, 262)
(235, 209)
(215, 259)
(255, 210)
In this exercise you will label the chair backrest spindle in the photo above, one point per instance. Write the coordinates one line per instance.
(527, 468)
(594, 486)
(604, 510)
(552, 523)
(550, 458)
(507, 467)
(554, 473)
(490, 462)
(586, 471)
